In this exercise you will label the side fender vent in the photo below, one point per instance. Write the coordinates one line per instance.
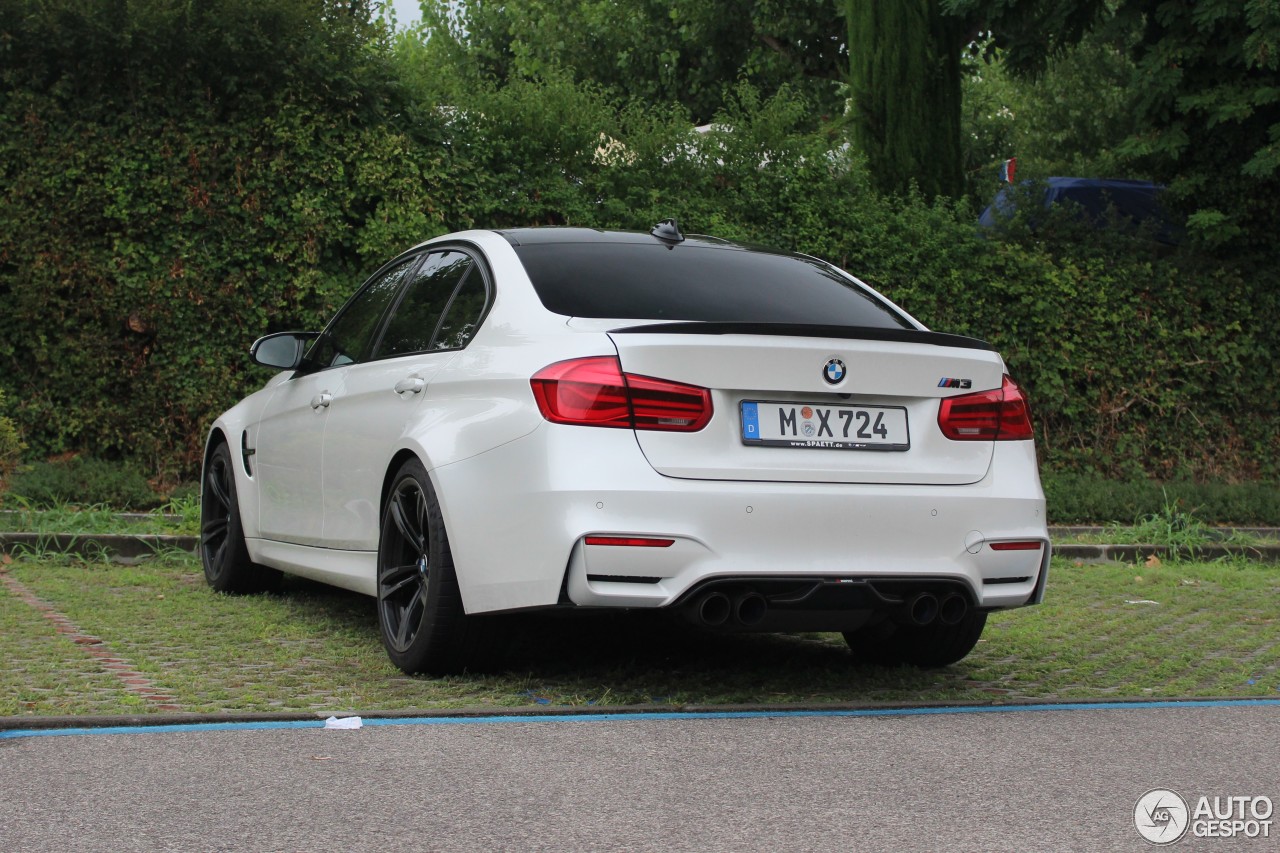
(246, 452)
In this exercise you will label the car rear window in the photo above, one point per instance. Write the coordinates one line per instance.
(697, 282)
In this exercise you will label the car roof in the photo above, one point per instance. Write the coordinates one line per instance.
(565, 234)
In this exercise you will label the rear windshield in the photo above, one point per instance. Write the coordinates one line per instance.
(697, 282)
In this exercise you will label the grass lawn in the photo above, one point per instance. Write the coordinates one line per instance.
(1179, 629)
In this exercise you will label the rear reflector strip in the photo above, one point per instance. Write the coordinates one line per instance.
(1034, 545)
(630, 541)
(621, 579)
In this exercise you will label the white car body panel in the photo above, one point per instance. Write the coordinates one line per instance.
(367, 417)
(289, 442)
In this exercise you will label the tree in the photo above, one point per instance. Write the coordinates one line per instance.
(683, 51)
(904, 80)
(1204, 96)
(1067, 121)
(1207, 91)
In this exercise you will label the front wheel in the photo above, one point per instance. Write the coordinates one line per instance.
(223, 553)
(925, 646)
(420, 612)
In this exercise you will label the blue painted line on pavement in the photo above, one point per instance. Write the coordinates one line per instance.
(645, 715)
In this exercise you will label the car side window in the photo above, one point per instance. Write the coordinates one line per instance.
(413, 325)
(349, 337)
(463, 315)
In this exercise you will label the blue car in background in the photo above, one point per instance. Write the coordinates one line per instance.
(1103, 202)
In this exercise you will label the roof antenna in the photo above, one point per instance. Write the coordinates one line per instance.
(668, 231)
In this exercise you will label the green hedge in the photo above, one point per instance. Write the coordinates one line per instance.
(1087, 499)
(83, 482)
(176, 180)
(175, 185)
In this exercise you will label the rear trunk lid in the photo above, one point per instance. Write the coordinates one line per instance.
(798, 403)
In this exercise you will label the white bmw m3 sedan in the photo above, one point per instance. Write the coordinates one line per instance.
(565, 418)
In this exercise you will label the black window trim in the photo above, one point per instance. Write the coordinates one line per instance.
(478, 263)
(414, 259)
(415, 256)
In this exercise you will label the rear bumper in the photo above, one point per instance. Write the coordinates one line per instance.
(524, 546)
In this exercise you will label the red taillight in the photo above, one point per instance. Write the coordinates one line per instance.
(586, 391)
(595, 392)
(997, 415)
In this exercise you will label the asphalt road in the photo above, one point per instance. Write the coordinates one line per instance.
(1019, 781)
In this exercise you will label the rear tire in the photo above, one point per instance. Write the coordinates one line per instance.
(925, 646)
(423, 624)
(223, 553)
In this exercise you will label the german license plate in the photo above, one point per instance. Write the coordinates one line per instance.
(817, 426)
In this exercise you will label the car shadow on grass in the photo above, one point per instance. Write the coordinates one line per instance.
(609, 658)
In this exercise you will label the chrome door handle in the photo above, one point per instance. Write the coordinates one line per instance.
(412, 385)
(321, 400)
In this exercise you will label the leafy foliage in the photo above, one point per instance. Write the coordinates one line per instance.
(657, 51)
(1069, 121)
(11, 444)
(1074, 498)
(83, 481)
(1208, 89)
(1200, 84)
(178, 179)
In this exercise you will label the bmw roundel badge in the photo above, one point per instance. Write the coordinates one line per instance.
(834, 371)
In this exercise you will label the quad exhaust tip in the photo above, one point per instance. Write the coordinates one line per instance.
(749, 608)
(715, 609)
(952, 609)
(924, 608)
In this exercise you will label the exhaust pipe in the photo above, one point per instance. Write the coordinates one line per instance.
(749, 608)
(714, 609)
(923, 608)
(952, 609)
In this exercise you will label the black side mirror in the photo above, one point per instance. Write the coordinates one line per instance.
(283, 350)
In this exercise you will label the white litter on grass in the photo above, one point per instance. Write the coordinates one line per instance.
(1141, 601)
(344, 723)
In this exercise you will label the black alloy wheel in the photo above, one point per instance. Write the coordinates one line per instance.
(420, 612)
(223, 553)
(404, 566)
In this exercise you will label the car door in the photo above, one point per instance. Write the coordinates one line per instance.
(288, 454)
(379, 399)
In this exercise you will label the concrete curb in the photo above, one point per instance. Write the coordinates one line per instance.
(1066, 531)
(134, 547)
(1136, 553)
